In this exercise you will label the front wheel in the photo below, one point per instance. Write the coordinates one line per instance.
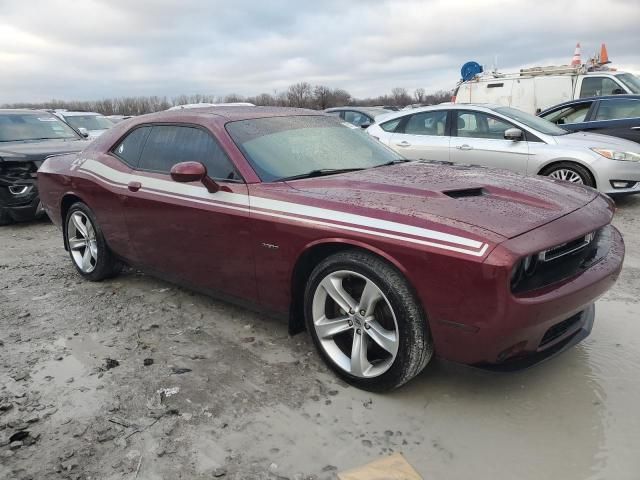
(87, 246)
(366, 321)
(570, 172)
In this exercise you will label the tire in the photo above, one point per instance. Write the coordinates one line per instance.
(393, 318)
(570, 172)
(87, 246)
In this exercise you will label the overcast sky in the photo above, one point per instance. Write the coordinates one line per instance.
(90, 49)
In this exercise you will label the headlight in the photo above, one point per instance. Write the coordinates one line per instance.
(524, 267)
(616, 155)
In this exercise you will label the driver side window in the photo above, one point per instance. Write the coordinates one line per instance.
(572, 114)
(480, 125)
(167, 145)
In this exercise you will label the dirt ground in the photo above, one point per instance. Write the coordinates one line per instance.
(136, 378)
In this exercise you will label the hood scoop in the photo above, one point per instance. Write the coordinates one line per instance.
(466, 192)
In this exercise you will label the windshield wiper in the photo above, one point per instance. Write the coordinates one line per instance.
(393, 162)
(319, 173)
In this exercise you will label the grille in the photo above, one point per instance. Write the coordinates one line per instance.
(566, 248)
(560, 329)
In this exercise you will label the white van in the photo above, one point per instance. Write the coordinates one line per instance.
(535, 89)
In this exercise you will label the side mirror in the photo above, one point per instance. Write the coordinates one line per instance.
(193, 172)
(514, 134)
(366, 125)
(618, 91)
(84, 132)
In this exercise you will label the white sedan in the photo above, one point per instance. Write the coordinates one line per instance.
(503, 137)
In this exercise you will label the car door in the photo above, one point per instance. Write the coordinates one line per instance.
(181, 230)
(478, 138)
(619, 117)
(422, 136)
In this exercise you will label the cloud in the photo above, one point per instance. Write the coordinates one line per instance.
(104, 48)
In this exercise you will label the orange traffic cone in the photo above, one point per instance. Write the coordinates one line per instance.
(576, 61)
(604, 56)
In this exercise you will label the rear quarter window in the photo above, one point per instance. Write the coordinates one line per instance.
(391, 125)
(129, 148)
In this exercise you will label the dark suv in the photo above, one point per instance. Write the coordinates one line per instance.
(27, 137)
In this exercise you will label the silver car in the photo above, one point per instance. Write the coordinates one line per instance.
(503, 137)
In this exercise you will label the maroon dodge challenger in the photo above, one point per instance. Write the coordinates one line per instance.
(385, 261)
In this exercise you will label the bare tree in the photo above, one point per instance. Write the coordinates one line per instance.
(418, 94)
(400, 96)
(299, 95)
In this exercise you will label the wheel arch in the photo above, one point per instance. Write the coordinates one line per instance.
(550, 164)
(310, 256)
(67, 200)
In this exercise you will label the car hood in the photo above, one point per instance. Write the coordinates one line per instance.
(595, 140)
(37, 151)
(472, 198)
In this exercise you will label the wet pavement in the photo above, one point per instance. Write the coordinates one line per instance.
(254, 403)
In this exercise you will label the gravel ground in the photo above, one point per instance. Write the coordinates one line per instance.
(137, 378)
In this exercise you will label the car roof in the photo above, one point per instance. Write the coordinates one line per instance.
(591, 99)
(368, 110)
(443, 106)
(229, 113)
(23, 111)
(77, 114)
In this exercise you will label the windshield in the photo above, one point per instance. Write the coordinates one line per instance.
(536, 123)
(90, 122)
(631, 81)
(15, 127)
(282, 147)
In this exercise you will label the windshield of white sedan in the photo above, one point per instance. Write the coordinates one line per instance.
(18, 127)
(90, 122)
(281, 148)
(536, 123)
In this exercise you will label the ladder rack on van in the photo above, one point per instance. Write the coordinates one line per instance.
(553, 70)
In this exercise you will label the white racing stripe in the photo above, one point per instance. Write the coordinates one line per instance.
(280, 209)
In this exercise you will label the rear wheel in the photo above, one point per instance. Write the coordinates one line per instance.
(87, 246)
(366, 321)
(570, 172)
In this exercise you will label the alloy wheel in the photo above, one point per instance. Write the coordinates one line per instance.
(81, 238)
(567, 175)
(355, 324)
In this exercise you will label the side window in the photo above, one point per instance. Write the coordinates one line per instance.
(171, 144)
(356, 118)
(572, 114)
(480, 125)
(391, 125)
(618, 108)
(130, 147)
(427, 123)
(597, 86)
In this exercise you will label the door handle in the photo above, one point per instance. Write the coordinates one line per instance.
(404, 143)
(134, 186)
(464, 147)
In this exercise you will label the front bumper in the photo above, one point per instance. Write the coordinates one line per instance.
(610, 172)
(576, 331)
(514, 330)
